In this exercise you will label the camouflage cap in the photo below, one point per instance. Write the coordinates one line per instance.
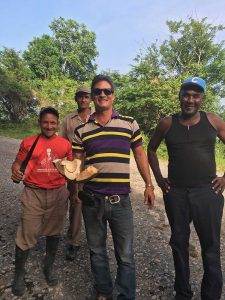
(83, 89)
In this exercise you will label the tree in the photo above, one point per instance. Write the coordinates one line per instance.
(69, 52)
(148, 65)
(151, 90)
(16, 98)
(43, 57)
(191, 50)
(57, 92)
(77, 48)
(12, 61)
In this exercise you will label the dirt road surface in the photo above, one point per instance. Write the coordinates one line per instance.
(154, 262)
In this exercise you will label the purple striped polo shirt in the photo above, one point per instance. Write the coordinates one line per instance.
(108, 149)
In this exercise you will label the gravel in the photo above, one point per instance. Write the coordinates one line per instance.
(155, 272)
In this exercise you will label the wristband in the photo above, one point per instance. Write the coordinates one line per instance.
(149, 185)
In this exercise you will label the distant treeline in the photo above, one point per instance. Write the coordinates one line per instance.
(52, 67)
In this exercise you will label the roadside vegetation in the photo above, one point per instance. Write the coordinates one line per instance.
(18, 130)
(53, 65)
(30, 127)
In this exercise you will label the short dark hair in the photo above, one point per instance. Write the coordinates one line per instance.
(101, 77)
(48, 110)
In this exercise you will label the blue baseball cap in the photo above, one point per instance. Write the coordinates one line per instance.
(194, 81)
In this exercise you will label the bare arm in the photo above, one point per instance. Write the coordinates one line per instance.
(143, 167)
(153, 145)
(219, 125)
(78, 155)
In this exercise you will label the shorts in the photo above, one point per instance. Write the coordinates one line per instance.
(43, 213)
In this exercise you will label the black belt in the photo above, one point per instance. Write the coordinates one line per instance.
(89, 198)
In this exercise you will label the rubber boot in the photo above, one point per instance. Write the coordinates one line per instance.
(51, 249)
(18, 286)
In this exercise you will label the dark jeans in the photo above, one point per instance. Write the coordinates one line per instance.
(205, 208)
(120, 219)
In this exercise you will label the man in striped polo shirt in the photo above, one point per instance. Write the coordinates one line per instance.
(106, 140)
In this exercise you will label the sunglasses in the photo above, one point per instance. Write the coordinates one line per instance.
(97, 92)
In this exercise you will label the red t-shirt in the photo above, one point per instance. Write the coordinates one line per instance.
(40, 170)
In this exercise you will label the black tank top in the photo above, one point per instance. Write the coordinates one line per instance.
(191, 152)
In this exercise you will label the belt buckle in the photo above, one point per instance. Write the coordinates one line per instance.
(114, 199)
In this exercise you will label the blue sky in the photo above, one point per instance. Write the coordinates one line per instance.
(122, 27)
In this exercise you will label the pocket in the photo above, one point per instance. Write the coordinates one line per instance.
(165, 196)
(86, 198)
(28, 199)
(62, 199)
(64, 194)
(22, 195)
(125, 201)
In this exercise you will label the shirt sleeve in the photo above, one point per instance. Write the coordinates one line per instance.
(22, 153)
(136, 139)
(77, 144)
(63, 129)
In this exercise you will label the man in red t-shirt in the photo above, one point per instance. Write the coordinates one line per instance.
(44, 197)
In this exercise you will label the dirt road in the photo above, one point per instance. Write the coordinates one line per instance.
(153, 255)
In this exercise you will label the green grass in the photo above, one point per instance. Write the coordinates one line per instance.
(18, 130)
(220, 156)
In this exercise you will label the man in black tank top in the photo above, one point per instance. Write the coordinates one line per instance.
(192, 191)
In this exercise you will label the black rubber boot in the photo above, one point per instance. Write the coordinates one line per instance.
(71, 252)
(18, 286)
(51, 249)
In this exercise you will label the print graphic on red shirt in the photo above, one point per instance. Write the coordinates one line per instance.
(41, 171)
(47, 165)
